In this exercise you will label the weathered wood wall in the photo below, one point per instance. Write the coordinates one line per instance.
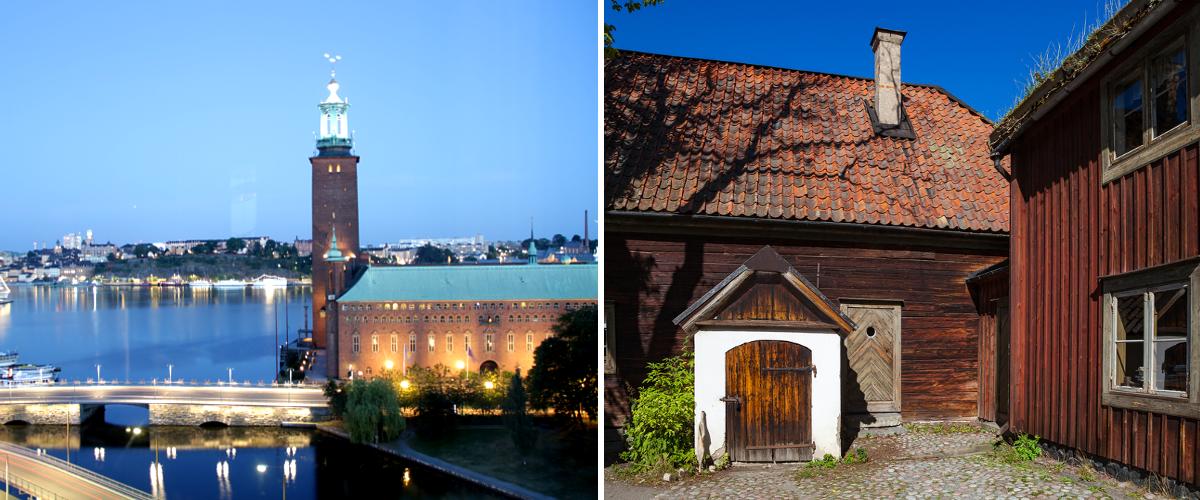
(990, 292)
(651, 278)
(1068, 230)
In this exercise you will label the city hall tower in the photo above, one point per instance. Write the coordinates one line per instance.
(334, 210)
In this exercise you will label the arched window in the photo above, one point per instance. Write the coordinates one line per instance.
(432, 343)
(395, 344)
(449, 343)
(510, 342)
(374, 343)
(354, 343)
(488, 345)
(529, 342)
(412, 342)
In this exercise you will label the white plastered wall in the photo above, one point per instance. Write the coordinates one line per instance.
(826, 347)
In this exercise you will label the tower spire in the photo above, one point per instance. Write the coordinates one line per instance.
(532, 244)
(334, 138)
(333, 254)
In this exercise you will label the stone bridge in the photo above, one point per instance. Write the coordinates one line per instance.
(169, 404)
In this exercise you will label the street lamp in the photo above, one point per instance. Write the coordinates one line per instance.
(388, 365)
(460, 364)
(404, 385)
(489, 385)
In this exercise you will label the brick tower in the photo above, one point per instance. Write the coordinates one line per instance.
(334, 205)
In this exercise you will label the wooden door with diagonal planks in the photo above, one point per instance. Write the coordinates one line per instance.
(873, 358)
(768, 395)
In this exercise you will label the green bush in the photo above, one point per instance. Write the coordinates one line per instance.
(1027, 448)
(660, 431)
(858, 456)
(337, 398)
(516, 416)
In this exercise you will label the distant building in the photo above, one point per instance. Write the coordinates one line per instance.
(73, 241)
(303, 247)
(96, 254)
(463, 317)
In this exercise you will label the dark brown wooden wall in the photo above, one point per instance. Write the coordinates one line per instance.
(988, 291)
(651, 279)
(1068, 230)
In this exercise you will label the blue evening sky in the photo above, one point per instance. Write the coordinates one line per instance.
(975, 50)
(150, 121)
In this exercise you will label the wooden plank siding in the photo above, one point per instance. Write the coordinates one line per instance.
(1068, 230)
(989, 291)
(652, 278)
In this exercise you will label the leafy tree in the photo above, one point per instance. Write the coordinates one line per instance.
(630, 6)
(564, 366)
(234, 245)
(372, 411)
(660, 430)
(143, 250)
(492, 253)
(558, 240)
(204, 248)
(111, 257)
(516, 417)
(337, 398)
(429, 254)
(575, 238)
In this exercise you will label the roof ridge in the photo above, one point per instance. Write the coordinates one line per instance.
(938, 88)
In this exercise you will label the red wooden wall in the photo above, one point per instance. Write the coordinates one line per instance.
(652, 278)
(989, 291)
(1068, 230)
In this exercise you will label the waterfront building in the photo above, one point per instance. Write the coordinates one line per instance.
(334, 208)
(303, 247)
(486, 317)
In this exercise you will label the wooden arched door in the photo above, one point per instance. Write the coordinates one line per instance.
(768, 402)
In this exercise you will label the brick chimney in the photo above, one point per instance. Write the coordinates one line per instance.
(886, 45)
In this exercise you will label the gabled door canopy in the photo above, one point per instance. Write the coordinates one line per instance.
(765, 292)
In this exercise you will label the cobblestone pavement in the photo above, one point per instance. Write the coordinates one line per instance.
(918, 464)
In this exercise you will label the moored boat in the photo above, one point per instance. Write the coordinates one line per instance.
(200, 283)
(268, 281)
(230, 284)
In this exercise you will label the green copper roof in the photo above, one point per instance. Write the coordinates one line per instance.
(333, 254)
(475, 283)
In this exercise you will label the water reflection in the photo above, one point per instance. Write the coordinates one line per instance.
(179, 462)
(136, 332)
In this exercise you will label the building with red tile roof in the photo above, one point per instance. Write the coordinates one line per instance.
(881, 197)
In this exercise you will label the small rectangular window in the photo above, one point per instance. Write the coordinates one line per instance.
(1129, 340)
(1170, 354)
(1127, 116)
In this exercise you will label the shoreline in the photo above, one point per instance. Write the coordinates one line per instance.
(401, 450)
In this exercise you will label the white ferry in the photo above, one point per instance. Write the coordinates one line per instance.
(4, 292)
(200, 283)
(268, 281)
(230, 284)
(13, 373)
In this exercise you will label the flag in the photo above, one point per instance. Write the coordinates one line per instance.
(469, 353)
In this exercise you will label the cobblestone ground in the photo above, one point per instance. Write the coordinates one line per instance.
(918, 464)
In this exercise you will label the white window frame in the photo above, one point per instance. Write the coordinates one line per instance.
(395, 342)
(354, 343)
(1154, 145)
(374, 343)
(1185, 273)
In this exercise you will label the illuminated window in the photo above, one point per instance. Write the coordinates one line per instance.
(432, 343)
(331, 169)
(374, 343)
(487, 343)
(395, 342)
(354, 343)
(449, 343)
(510, 342)
(339, 169)
(528, 342)
(412, 342)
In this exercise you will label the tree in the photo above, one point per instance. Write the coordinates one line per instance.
(516, 417)
(204, 248)
(564, 366)
(143, 250)
(234, 245)
(337, 398)
(558, 240)
(492, 253)
(429, 254)
(629, 6)
(372, 411)
(660, 428)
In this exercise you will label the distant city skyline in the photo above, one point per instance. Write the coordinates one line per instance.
(180, 121)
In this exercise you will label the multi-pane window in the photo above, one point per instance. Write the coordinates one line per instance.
(354, 343)
(1148, 100)
(412, 342)
(488, 345)
(1168, 92)
(529, 342)
(395, 344)
(449, 343)
(432, 343)
(510, 342)
(1150, 341)
(467, 342)
(374, 343)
